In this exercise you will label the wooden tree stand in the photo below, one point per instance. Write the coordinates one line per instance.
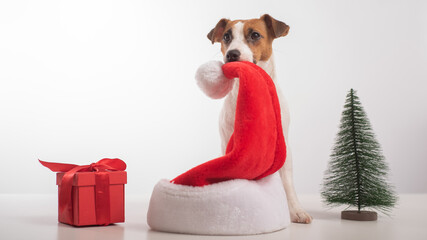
(359, 216)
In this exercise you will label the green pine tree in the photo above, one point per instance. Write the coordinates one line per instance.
(357, 171)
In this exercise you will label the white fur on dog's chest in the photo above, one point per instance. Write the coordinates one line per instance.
(227, 115)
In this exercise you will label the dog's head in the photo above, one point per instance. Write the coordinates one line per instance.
(247, 40)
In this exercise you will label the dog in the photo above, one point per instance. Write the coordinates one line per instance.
(251, 40)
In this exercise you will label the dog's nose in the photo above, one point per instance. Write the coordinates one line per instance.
(233, 55)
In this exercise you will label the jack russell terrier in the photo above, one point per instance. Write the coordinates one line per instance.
(251, 40)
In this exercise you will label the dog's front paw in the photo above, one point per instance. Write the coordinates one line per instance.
(300, 216)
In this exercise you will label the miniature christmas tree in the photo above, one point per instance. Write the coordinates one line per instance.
(357, 171)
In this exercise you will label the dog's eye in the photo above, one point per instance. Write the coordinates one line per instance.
(255, 36)
(227, 37)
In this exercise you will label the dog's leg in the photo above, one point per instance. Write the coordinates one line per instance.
(298, 215)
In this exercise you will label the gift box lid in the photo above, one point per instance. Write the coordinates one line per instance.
(88, 178)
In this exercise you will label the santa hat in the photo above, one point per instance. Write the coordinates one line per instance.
(239, 193)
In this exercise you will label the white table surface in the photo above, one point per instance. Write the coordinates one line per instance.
(35, 217)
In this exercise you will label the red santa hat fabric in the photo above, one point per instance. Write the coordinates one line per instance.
(257, 147)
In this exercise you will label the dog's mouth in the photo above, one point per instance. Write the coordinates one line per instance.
(235, 55)
(253, 61)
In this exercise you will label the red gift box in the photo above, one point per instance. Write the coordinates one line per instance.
(90, 194)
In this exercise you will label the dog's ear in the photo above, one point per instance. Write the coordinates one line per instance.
(215, 35)
(275, 28)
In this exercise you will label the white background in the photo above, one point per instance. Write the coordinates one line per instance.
(84, 80)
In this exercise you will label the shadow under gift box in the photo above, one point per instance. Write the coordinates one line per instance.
(83, 198)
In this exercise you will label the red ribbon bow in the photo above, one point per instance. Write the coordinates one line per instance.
(102, 188)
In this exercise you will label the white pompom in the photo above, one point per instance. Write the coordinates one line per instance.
(212, 81)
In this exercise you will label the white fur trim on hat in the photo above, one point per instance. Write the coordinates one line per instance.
(211, 80)
(234, 207)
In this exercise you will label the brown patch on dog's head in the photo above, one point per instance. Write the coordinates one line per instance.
(215, 35)
(276, 28)
(269, 29)
(259, 34)
(259, 39)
